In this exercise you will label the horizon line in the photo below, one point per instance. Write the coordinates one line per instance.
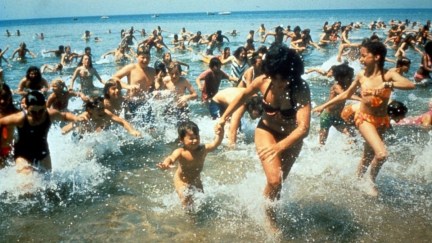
(150, 14)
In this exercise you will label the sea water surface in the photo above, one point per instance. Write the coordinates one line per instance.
(106, 187)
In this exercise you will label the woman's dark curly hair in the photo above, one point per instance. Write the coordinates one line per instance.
(283, 61)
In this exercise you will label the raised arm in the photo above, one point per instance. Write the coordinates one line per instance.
(219, 134)
(341, 97)
(15, 52)
(398, 81)
(14, 119)
(240, 100)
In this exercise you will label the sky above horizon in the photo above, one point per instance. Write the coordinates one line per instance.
(31, 9)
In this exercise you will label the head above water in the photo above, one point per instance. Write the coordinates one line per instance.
(34, 74)
(110, 83)
(396, 110)
(403, 61)
(94, 103)
(34, 98)
(215, 62)
(254, 107)
(343, 74)
(283, 61)
(186, 126)
(377, 48)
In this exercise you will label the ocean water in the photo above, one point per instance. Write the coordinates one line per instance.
(106, 187)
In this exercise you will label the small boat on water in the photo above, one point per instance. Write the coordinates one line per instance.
(104, 17)
(155, 15)
(224, 13)
(211, 13)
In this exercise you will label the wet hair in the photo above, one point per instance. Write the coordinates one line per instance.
(403, 61)
(283, 61)
(89, 61)
(254, 57)
(255, 104)
(343, 74)
(396, 109)
(186, 126)
(143, 51)
(6, 93)
(262, 50)
(215, 62)
(174, 67)
(94, 103)
(88, 48)
(377, 48)
(278, 29)
(238, 51)
(374, 37)
(36, 70)
(34, 98)
(59, 82)
(160, 67)
(110, 83)
(61, 47)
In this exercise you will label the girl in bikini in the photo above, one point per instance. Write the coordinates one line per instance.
(285, 120)
(372, 119)
(85, 71)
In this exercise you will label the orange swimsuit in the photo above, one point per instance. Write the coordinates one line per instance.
(5, 151)
(378, 98)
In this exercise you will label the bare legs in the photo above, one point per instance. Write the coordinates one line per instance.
(275, 168)
(374, 154)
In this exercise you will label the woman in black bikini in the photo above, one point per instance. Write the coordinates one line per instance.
(285, 120)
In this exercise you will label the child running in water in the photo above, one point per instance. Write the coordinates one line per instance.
(191, 160)
(331, 116)
(372, 119)
(59, 99)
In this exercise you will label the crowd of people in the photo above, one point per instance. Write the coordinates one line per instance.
(267, 83)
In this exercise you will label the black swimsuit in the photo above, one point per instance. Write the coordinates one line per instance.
(32, 143)
(286, 114)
